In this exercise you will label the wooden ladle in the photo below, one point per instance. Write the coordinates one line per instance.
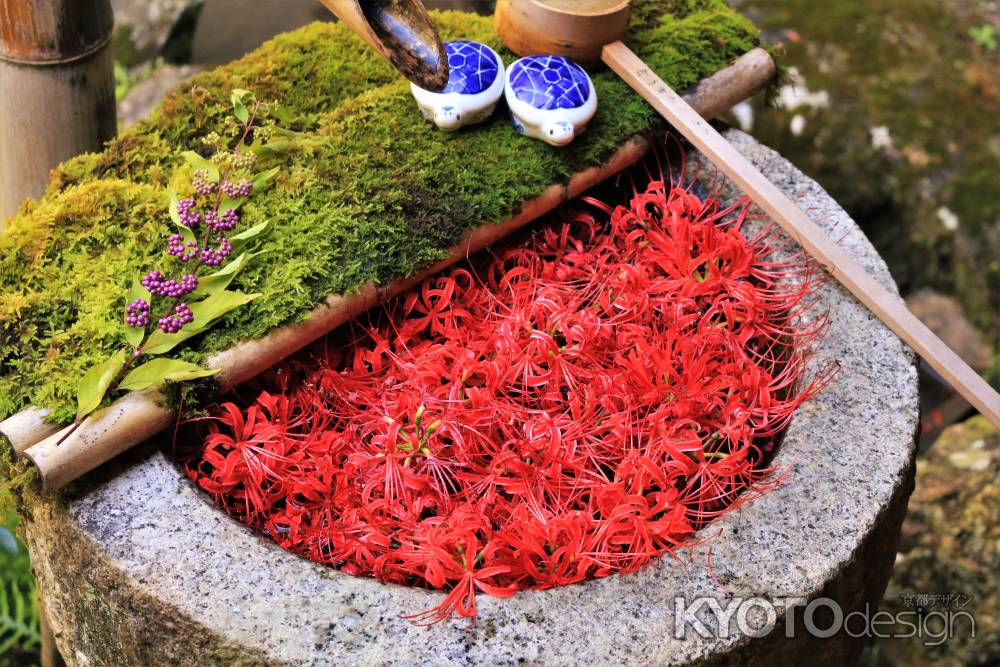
(402, 32)
(837, 262)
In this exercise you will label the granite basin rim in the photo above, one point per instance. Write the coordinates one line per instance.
(849, 452)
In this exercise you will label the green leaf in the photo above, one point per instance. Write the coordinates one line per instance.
(159, 371)
(135, 335)
(241, 112)
(205, 313)
(174, 214)
(217, 305)
(243, 239)
(229, 202)
(273, 148)
(239, 99)
(220, 280)
(262, 181)
(201, 164)
(95, 382)
(281, 114)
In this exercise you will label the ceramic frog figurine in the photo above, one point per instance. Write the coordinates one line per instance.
(550, 98)
(475, 85)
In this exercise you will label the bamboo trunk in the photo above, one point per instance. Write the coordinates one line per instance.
(57, 95)
(136, 417)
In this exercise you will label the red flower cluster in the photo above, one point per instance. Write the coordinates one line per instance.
(565, 409)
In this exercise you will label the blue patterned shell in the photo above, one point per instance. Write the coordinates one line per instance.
(472, 67)
(549, 82)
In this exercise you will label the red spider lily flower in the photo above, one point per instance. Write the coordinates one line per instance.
(568, 408)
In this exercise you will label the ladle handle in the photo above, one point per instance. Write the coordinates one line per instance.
(885, 305)
(402, 32)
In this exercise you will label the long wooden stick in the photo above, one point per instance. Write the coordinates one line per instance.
(886, 306)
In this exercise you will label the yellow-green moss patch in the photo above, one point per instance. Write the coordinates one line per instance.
(368, 191)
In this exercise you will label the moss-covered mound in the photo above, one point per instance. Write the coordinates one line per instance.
(368, 191)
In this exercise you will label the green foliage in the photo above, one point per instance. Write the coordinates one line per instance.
(219, 281)
(367, 189)
(122, 82)
(198, 163)
(239, 99)
(985, 36)
(156, 372)
(18, 618)
(95, 383)
(19, 615)
(224, 168)
(206, 314)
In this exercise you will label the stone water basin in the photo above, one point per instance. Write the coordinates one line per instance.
(137, 566)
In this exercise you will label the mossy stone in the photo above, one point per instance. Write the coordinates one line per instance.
(368, 190)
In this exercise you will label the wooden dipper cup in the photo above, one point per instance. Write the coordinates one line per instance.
(577, 29)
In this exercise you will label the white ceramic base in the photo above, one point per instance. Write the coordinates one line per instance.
(451, 111)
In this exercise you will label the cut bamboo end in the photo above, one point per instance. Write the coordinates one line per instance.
(402, 32)
(104, 435)
(576, 29)
(27, 428)
(40, 32)
(137, 417)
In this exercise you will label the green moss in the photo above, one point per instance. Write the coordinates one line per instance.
(369, 191)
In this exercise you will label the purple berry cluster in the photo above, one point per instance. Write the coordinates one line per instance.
(237, 190)
(217, 255)
(159, 285)
(210, 250)
(189, 215)
(181, 250)
(222, 223)
(172, 323)
(137, 313)
(202, 185)
(205, 218)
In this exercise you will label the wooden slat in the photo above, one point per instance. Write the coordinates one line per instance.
(837, 262)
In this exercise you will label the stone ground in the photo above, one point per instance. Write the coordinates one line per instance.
(951, 546)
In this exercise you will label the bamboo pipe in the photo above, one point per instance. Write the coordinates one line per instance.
(27, 428)
(401, 32)
(136, 417)
(57, 95)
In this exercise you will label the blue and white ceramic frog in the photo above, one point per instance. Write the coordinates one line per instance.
(475, 85)
(550, 98)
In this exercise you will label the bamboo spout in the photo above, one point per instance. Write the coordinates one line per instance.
(402, 32)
